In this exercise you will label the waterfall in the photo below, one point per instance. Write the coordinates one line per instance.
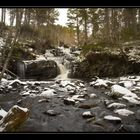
(63, 72)
(21, 69)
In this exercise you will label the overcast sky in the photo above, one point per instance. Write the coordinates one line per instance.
(62, 19)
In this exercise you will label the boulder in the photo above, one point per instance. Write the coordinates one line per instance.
(38, 69)
(13, 119)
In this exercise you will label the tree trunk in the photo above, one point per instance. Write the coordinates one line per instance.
(77, 30)
(9, 41)
(2, 10)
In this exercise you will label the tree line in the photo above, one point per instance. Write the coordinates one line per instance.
(104, 24)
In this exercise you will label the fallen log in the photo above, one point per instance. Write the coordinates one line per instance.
(14, 118)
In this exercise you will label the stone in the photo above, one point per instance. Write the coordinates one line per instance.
(48, 93)
(69, 101)
(43, 100)
(40, 69)
(116, 105)
(15, 117)
(51, 113)
(124, 112)
(92, 96)
(131, 100)
(87, 114)
(113, 119)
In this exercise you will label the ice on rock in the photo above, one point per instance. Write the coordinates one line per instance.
(124, 112)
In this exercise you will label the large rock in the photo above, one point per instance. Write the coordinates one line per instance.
(13, 119)
(38, 69)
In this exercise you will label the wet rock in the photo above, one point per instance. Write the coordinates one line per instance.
(116, 105)
(41, 69)
(69, 101)
(87, 106)
(138, 115)
(127, 128)
(87, 114)
(112, 119)
(107, 102)
(13, 119)
(19, 102)
(51, 113)
(124, 112)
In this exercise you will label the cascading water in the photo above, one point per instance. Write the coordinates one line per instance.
(59, 60)
(63, 72)
(21, 69)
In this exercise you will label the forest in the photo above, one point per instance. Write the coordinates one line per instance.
(81, 77)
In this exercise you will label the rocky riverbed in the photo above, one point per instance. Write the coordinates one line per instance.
(99, 105)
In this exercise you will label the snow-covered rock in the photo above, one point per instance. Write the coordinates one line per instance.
(116, 105)
(77, 98)
(131, 100)
(3, 113)
(16, 82)
(49, 93)
(14, 118)
(63, 83)
(120, 91)
(25, 93)
(87, 114)
(127, 84)
(69, 101)
(112, 118)
(92, 96)
(101, 83)
(124, 112)
(69, 88)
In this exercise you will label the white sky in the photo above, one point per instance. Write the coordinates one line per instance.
(62, 20)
